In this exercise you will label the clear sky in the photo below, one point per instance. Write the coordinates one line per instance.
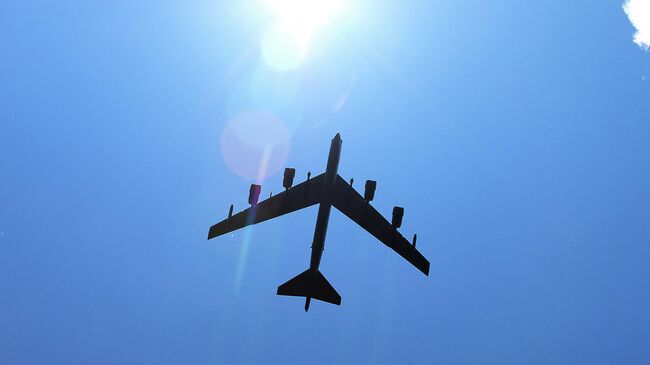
(516, 134)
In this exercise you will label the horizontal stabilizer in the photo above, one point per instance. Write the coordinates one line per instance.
(310, 285)
(296, 287)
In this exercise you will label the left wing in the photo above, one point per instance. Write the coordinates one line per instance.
(353, 205)
(300, 196)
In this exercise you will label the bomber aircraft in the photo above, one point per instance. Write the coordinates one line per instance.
(327, 189)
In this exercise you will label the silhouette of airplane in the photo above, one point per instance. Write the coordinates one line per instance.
(327, 189)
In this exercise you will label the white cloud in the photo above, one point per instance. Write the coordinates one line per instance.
(639, 13)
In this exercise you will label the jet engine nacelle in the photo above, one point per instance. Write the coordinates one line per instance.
(398, 213)
(369, 193)
(289, 174)
(254, 194)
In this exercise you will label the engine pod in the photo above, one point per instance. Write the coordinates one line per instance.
(369, 192)
(254, 194)
(398, 213)
(289, 174)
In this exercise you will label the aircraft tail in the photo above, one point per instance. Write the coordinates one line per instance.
(310, 285)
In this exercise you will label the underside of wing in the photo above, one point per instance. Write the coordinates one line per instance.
(352, 204)
(298, 197)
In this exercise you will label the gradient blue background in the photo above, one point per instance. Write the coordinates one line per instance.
(516, 135)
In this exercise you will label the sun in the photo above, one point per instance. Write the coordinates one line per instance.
(295, 22)
(304, 17)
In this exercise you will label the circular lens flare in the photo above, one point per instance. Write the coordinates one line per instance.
(255, 144)
(282, 49)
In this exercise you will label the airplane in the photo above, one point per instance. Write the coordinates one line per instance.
(327, 189)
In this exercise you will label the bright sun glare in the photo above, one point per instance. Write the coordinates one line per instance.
(303, 17)
(284, 45)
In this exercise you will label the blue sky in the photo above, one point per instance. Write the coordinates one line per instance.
(516, 135)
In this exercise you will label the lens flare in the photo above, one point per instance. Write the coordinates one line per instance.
(282, 49)
(255, 144)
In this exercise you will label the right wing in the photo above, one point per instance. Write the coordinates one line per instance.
(300, 196)
(353, 205)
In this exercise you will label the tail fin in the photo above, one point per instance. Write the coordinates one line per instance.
(310, 285)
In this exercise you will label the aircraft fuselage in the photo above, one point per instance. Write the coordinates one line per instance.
(325, 207)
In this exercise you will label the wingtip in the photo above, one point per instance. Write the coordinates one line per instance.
(426, 269)
(212, 233)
